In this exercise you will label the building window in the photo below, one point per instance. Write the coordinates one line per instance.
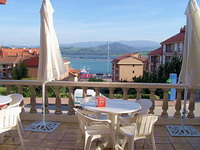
(167, 58)
(153, 69)
(10, 75)
(1, 75)
(169, 47)
(133, 65)
(133, 71)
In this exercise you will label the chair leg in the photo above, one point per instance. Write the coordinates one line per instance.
(131, 143)
(124, 142)
(1, 137)
(153, 142)
(143, 142)
(20, 136)
(88, 142)
(12, 134)
(20, 125)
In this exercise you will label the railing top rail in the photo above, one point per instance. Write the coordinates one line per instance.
(98, 84)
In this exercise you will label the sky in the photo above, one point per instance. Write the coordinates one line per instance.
(93, 20)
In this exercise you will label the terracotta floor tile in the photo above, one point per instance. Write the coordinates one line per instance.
(8, 147)
(178, 140)
(10, 141)
(60, 130)
(183, 147)
(161, 139)
(164, 147)
(37, 135)
(34, 148)
(193, 139)
(67, 144)
(32, 142)
(196, 146)
(54, 136)
(70, 137)
(49, 143)
(159, 133)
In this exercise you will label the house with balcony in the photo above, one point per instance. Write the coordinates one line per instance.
(127, 66)
(172, 46)
(155, 60)
(10, 58)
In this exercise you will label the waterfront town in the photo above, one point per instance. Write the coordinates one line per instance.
(47, 103)
(124, 67)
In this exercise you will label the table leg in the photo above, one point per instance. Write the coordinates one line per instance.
(113, 118)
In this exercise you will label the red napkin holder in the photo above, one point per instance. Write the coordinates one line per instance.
(100, 102)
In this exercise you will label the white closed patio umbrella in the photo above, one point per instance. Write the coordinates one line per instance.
(190, 71)
(51, 65)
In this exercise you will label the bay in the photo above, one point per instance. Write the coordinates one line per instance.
(93, 63)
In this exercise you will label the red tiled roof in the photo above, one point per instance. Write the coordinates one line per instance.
(116, 60)
(32, 62)
(176, 38)
(9, 60)
(3, 1)
(74, 71)
(156, 52)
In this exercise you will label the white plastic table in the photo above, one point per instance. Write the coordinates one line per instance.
(5, 99)
(113, 108)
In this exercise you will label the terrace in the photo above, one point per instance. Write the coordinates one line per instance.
(64, 137)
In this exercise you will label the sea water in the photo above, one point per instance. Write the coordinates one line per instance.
(94, 63)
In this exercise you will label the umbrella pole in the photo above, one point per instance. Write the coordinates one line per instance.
(43, 102)
(184, 106)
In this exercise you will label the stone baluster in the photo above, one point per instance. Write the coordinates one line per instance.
(84, 91)
(20, 91)
(58, 101)
(8, 89)
(71, 101)
(138, 93)
(46, 100)
(191, 104)
(177, 114)
(125, 93)
(152, 98)
(97, 90)
(165, 104)
(111, 93)
(33, 100)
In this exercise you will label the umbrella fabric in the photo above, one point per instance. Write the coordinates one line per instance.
(51, 64)
(190, 71)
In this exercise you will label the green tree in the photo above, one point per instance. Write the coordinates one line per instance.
(20, 71)
(163, 72)
(95, 80)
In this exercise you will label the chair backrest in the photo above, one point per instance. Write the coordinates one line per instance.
(145, 105)
(16, 100)
(86, 99)
(145, 124)
(8, 118)
(84, 120)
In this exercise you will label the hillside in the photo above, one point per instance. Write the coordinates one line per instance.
(115, 49)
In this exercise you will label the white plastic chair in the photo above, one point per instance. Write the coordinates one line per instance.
(16, 100)
(145, 105)
(140, 127)
(93, 129)
(9, 121)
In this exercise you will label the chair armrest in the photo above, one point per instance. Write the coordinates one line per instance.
(128, 120)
